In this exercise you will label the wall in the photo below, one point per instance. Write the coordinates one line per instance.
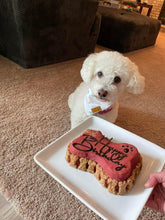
(157, 5)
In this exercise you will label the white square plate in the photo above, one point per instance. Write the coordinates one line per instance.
(85, 186)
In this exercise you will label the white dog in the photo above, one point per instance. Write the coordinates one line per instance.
(106, 75)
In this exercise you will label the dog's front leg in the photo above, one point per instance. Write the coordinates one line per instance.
(77, 118)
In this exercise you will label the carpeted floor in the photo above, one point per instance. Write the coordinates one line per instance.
(34, 112)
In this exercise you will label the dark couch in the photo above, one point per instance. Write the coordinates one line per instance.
(39, 32)
(126, 31)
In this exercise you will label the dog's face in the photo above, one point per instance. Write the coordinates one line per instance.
(108, 74)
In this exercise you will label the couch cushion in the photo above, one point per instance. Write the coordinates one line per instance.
(125, 31)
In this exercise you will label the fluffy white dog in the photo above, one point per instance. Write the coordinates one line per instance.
(106, 75)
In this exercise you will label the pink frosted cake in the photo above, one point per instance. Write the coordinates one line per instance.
(115, 165)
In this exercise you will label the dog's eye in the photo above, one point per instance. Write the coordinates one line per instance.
(117, 79)
(100, 74)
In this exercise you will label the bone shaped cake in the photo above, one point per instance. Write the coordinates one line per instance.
(115, 165)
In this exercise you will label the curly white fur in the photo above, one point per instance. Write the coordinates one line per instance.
(111, 65)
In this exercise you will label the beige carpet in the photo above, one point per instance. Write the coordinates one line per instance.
(34, 112)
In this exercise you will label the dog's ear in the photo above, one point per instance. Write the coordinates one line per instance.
(87, 68)
(137, 81)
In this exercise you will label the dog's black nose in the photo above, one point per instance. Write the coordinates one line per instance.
(102, 93)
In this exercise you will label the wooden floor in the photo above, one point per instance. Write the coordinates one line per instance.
(7, 211)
